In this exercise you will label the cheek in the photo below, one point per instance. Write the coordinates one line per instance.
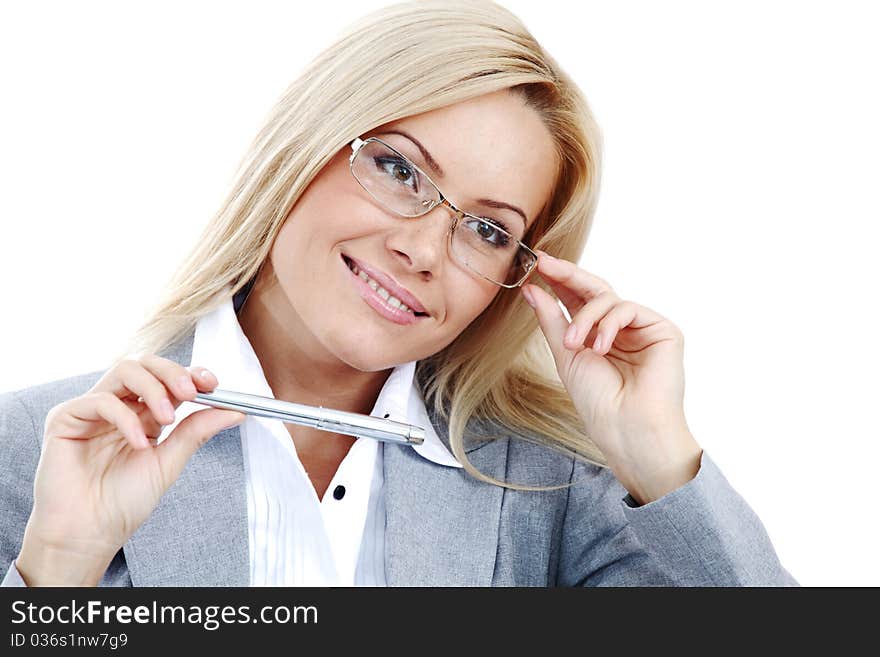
(288, 251)
(467, 300)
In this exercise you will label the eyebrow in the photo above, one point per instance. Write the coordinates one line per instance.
(438, 171)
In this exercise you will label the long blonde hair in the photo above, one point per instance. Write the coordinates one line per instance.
(398, 61)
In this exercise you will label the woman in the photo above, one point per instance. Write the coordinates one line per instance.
(337, 273)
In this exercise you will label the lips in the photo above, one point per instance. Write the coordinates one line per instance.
(392, 286)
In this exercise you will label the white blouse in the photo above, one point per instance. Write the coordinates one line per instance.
(296, 539)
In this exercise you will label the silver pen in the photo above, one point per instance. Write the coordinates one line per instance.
(318, 417)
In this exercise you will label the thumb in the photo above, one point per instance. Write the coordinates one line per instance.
(189, 435)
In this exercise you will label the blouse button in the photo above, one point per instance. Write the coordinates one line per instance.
(339, 492)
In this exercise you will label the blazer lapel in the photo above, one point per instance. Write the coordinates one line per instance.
(429, 507)
(198, 534)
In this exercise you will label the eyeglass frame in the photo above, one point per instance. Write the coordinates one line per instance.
(357, 144)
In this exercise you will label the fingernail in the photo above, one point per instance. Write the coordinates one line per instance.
(205, 375)
(571, 335)
(527, 293)
(238, 420)
(597, 345)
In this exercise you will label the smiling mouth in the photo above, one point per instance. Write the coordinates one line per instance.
(381, 291)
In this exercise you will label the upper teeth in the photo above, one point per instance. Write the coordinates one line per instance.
(381, 291)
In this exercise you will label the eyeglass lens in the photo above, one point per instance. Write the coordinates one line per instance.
(482, 244)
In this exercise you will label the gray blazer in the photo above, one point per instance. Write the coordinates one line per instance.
(443, 527)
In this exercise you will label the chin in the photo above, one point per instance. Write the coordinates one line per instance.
(361, 355)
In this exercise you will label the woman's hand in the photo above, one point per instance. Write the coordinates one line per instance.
(622, 365)
(99, 477)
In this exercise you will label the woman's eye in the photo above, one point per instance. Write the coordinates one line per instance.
(399, 170)
(490, 233)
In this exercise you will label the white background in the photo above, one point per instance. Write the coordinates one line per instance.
(740, 200)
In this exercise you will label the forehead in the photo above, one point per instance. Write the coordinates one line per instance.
(491, 148)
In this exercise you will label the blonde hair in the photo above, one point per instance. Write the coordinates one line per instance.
(398, 61)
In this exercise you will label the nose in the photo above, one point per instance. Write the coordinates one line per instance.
(421, 242)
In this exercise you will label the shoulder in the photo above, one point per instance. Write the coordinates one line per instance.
(39, 399)
(31, 405)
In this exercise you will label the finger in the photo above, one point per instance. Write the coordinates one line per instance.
(586, 317)
(572, 302)
(186, 439)
(204, 379)
(573, 285)
(201, 378)
(130, 377)
(177, 378)
(551, 319)
(624, 314)
(95, 406)
(151, 428)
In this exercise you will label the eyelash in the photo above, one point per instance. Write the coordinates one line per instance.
(504, 238)
(396, 160)
(381, 161)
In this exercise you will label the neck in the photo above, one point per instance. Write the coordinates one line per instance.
(297, 366)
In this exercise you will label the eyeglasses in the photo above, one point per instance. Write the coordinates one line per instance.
(481, 244)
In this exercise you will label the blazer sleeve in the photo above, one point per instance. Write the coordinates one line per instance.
(701, 534)
(19, 455)
(20, 443)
